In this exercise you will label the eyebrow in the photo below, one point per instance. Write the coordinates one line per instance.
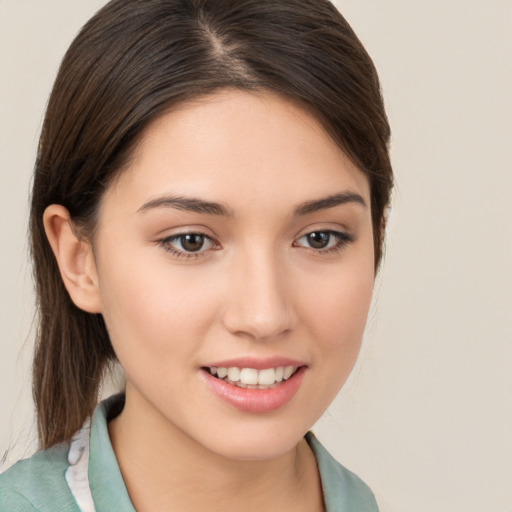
(192, 204)
(329, 202)
(189, 204)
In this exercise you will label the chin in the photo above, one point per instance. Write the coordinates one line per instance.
(255, 441)
(253, 451)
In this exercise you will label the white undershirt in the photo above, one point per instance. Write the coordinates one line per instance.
(77, 476)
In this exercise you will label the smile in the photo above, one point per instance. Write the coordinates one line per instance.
(252, 390)
(250, 378)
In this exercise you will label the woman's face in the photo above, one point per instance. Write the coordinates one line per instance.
(236, 249)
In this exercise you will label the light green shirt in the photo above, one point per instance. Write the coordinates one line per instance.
(39, 483)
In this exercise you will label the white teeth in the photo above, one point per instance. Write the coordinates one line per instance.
(251, 378)
(234, 374)
(267, 377)
(222, 372)
(288, 371)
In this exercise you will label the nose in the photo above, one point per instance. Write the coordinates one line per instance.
(259, 301)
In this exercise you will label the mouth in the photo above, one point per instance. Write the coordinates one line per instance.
(251, 378)
(255, 390)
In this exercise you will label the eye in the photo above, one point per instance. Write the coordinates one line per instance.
(188, 244)
(324, 240)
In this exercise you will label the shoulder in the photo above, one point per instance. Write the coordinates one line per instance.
(38, 483)
(11, 501)
(343, 490)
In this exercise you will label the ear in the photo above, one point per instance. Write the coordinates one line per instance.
(74, 257)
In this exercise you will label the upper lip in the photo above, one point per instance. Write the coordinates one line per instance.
(256, 363)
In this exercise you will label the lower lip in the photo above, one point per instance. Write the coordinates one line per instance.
(256, 400)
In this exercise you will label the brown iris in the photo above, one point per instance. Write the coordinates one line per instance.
(319, 239)
(192, 242)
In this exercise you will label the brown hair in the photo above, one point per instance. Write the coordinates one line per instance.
(128, 65)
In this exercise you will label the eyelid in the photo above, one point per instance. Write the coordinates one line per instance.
(169, 231)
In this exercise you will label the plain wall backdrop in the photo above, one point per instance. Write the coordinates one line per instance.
(426, 417)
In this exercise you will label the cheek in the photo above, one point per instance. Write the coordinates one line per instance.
(339, 319)
(152, 310)
(340, 299)
(336, 312)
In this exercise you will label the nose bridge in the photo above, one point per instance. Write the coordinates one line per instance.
(259, 304)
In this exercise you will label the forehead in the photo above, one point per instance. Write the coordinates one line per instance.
(239, 148)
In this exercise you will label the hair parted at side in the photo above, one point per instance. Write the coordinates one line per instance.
(129, 64)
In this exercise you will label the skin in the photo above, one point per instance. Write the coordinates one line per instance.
(256, 288)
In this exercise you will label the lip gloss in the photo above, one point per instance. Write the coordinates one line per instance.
(256, 400)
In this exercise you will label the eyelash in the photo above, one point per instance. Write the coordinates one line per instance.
(341, 240)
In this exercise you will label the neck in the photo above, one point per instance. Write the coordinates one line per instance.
(171, 471)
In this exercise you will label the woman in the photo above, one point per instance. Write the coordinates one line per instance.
(208, 210)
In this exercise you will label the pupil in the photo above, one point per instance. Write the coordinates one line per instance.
(192, 242)
(318, 240)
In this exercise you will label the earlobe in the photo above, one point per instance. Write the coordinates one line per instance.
(74, 257)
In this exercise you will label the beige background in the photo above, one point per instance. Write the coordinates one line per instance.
(426, 418)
